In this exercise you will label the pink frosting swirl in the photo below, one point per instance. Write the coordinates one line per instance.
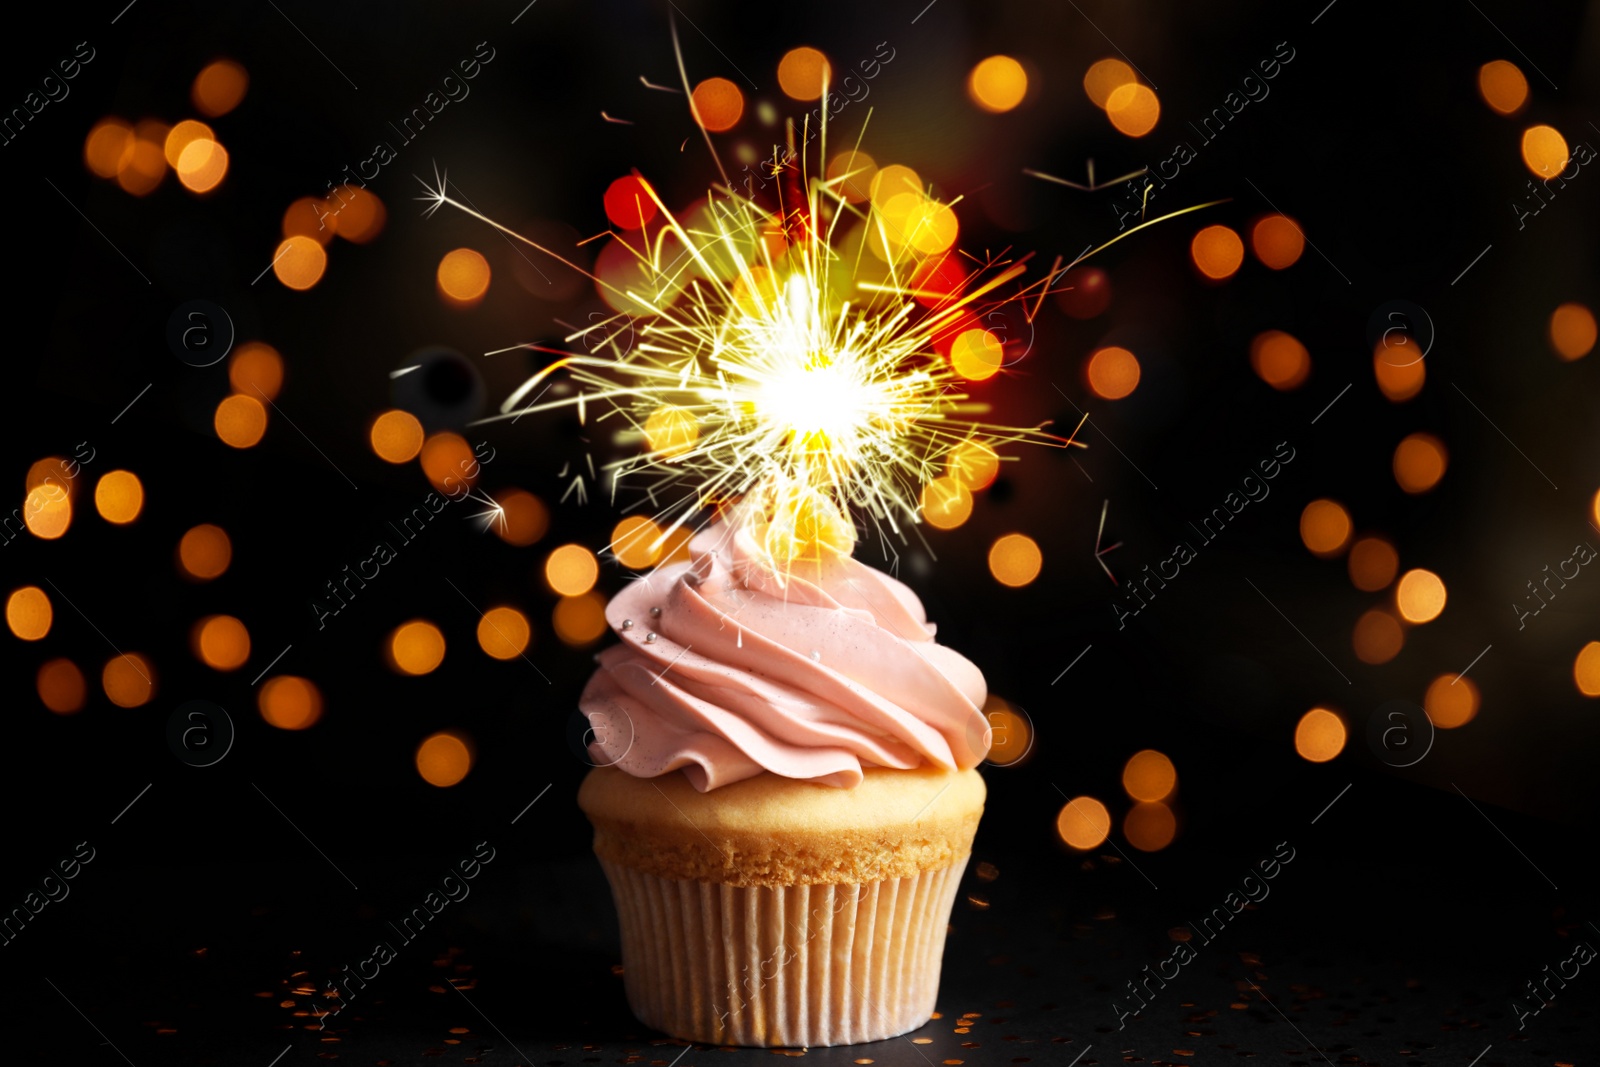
(728, 668)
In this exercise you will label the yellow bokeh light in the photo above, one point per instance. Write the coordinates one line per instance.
(255, 369)
(396, 436)
(1377, 637)
(854, 172)
(1572, 331)
(128, 680)
(1149, 827)
(1586, 669)
(1113, 372)
(290, 702)
(1373, 564)
(579, 620)
(523, 517)
(240, 421)
(222, 642)
(47, 511)
(802, 73)
(636, 542)
(1280, 360)
(671, 431)
(1319, 736)
(1083, 823)
(416, 647)
(463, 276)
(28, 613)
(52, 471)
(717, 104)
(973, 464)
(202, 165)
(1502, 86)
(1544, 150)
(504, 633)
(1015, 560)
(894, 181)
(1133, 109)
(181, 135)
(1325, 527)
(62, 687)
(946, 503)
(931, 227)
(119, 497)
(976, 355)
(1217, 252)
(447, 461)
(1104, 77)
(997, 84)
(299, 262)
(1419, 462)
(219, 87)
(1149, 775)
(443, 759)
(1451, 701)
(205, 551)
(1420, 595)
(571, 570)
(1277, 241)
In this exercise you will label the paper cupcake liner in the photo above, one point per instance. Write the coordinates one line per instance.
(783, 966)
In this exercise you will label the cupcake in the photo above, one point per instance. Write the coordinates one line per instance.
(785, 794)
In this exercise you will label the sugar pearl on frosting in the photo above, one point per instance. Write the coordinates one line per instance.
(655, 613)
(816, 655)
(627, 624)
(650, 638)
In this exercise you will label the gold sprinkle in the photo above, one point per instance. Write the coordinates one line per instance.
(922, 1041)
(865, 1059)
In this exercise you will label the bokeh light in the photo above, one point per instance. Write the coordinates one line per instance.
(416, 647)
(201, 166)
(854, 172)
(52, 471)
(28, 612)
(358, 213)
(997, 84)
(205, 551)
(1280, 360)
(1420, 595)
(1133, 109)
(1149, 775)
(1398, 365)
(1502, 86)
(1015, 560)
(396, 436)
(579, 620)
(443, 759)
(1319, 736)
(181, 135)
(255, 369)
(1277, 241)
(802, 73)
(1104, 77)
(1451, 701)
(1085, 292)
(447, 461)
(144, 165)
(47, 511)
(946, 503)
(1325, 527)
(108, 147)
(240, 421)
(1083, 823)
(1377, 637)
(290, 702)
(299, 262)
(976, 355)
(1010, 733)
(222, 642)
(523, 517)
(628, 203)
(1419, 462)
(309, 217)
(463, 276)
(1586, 669)
(670, 430)
(636, 542)
(1149, 827)
(1572, 331)
(119, 497)
(62, 687)
(1113, 372)
(717, 104)
(1373, 564)
(219, 87)
(504, 633)
(973, 464)
(1544, 150)
(571, 570)
(1217, 252)
(128, 680)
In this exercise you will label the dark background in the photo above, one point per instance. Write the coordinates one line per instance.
(1412, 919)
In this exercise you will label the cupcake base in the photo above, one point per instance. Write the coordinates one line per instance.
(798, 965)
